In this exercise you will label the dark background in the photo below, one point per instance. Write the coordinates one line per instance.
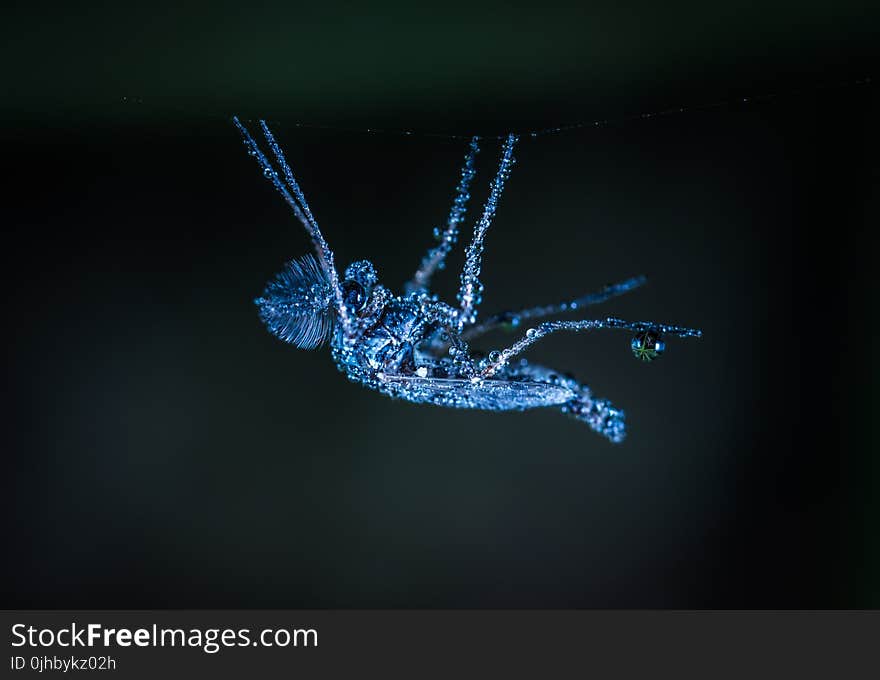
(163, 450)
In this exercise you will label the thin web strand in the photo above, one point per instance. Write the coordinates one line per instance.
(603, 122)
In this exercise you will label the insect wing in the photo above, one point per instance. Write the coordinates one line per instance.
(490, 395)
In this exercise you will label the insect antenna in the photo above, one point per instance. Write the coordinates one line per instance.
(300, 208)
(296, 304)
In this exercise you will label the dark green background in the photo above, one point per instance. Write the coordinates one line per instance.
(165, 451)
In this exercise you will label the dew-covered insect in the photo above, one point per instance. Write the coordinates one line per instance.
(415, 347)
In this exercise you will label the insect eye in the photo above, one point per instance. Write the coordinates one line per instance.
(354, 296)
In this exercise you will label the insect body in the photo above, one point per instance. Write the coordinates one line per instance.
(416, 347)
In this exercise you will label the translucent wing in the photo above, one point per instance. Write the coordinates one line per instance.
(488, 395)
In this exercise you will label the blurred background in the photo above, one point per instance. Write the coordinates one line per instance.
(163, 450)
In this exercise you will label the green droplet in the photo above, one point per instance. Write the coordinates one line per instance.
(647, 345)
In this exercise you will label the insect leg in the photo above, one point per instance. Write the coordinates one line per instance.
(548, 327)
(514, 319)
(300, 209)
(600, 414)
(470, 291)
(461, 353)
(436, 256)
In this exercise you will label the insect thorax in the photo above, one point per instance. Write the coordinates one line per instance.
(385, 343)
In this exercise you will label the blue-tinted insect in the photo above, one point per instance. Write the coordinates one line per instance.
(415, 347)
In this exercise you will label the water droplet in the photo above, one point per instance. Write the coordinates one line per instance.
(422, 371)
(532, 333)
(494, 356)
(647, 345)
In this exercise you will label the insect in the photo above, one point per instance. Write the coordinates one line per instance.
(414, 346)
